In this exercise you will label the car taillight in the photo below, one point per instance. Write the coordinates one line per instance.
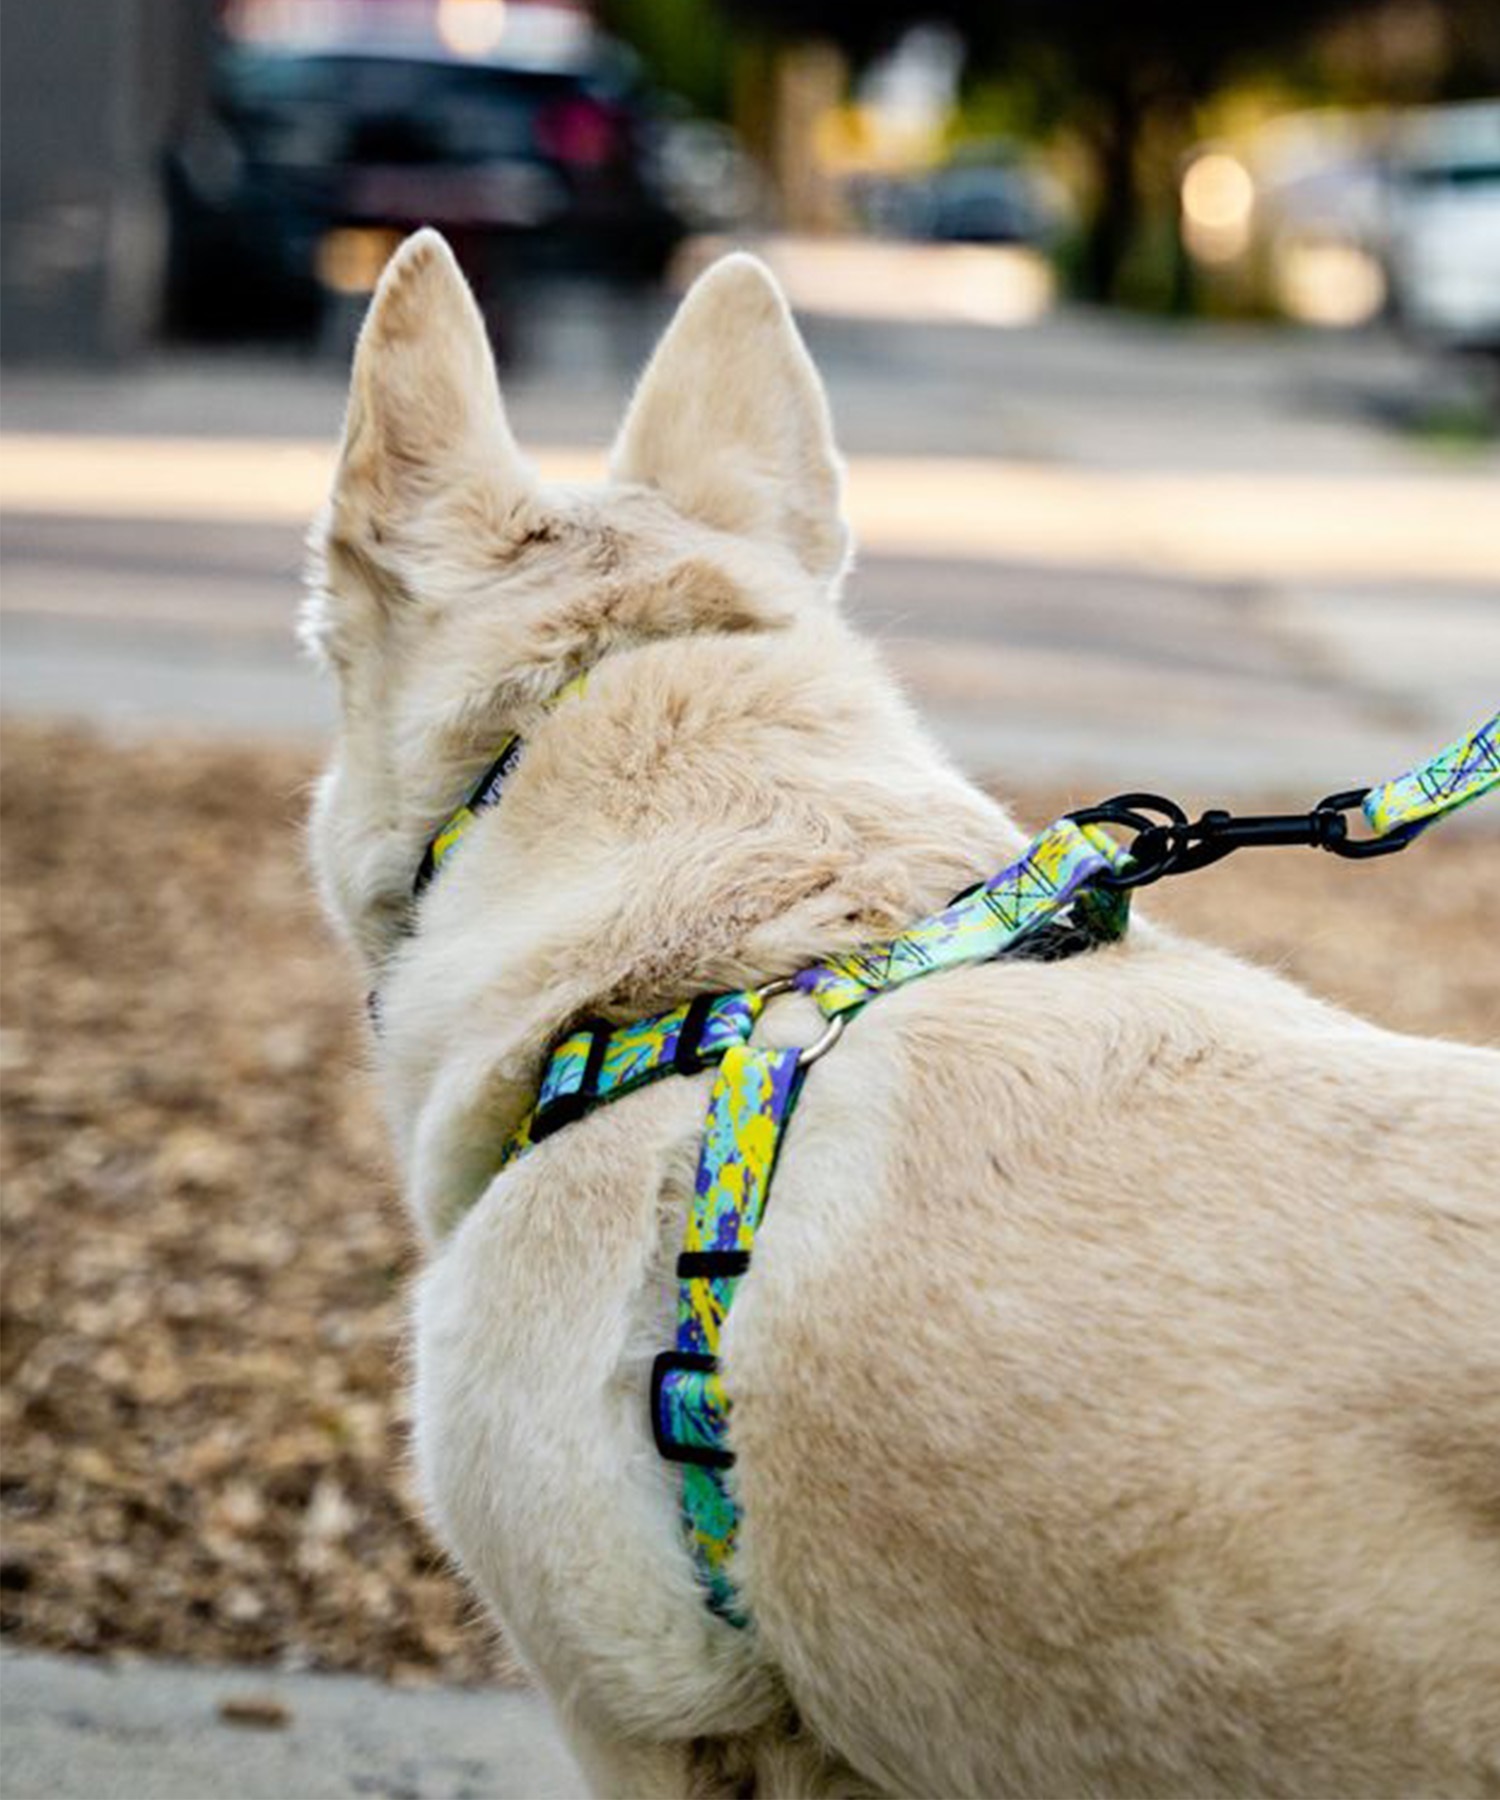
(582, 133)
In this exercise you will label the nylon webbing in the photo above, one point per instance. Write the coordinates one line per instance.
(986, 922)
(1458, 774)
(752, 1099)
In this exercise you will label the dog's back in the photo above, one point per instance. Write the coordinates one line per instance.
(1126, 1416)
(1116, 1388)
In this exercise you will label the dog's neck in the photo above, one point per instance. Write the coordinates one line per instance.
(711, 813)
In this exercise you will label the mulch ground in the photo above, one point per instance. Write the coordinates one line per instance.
(202, 1420)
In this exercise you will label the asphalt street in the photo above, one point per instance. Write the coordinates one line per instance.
(1100, 553)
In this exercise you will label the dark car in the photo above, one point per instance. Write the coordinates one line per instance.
(311, 162)
(981, 206)
(990, 192)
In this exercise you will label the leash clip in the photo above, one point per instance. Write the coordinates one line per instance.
(1159, 844)
(1341, 844)
(1172, 844)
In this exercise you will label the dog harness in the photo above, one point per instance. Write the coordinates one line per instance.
(1069, 891)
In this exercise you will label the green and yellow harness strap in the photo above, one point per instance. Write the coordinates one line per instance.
(485, 793)
(1058, 868)
(752, 1098)
(1458, 774)
(1062, 884)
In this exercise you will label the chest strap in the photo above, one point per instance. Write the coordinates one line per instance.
(753, 1096)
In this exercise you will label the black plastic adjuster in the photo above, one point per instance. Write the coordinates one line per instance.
(685, 1057)
(567, 1108)
(693, 1363)
(712, 1265)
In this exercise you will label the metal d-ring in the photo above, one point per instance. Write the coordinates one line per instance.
(832, 1032)
(821, 1045)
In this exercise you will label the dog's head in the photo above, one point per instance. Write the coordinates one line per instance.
(453, 594)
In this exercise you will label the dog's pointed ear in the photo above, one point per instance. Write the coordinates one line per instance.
(425, 423)
(731, 423)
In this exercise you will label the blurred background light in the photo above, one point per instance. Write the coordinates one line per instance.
(1329, 284)
(350, 259)
(1218, 202)
(471, 27)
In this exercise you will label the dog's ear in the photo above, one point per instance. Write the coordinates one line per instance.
(730, 421)
(427, 453)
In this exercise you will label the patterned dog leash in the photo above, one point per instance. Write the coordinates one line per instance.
(1068, 892)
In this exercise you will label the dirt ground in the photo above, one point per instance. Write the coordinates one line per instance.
(201, 1412)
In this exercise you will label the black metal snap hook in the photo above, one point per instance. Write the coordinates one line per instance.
(1341, 844)
(1171, 844)
(1158, 845)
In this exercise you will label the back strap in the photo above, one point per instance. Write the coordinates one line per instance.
(1055, 872)
(1051, 881)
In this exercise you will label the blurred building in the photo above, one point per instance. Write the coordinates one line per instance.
(89, 90)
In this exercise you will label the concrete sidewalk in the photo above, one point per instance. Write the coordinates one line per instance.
(85, 1730)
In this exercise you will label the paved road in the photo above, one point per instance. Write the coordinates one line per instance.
(1079, 388)
(79, 1730)
(1101, 553)
(1032, 673)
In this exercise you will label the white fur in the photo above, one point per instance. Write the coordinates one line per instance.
(1117, 1386)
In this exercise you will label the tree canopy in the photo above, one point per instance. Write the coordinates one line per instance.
(1110, 75)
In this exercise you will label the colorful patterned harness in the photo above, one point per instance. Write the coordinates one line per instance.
(1069, 891)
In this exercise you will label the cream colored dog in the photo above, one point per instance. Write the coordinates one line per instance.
(1117, 1386)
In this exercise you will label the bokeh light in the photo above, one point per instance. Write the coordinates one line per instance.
(1218, 201)
(1330, 284)
(471, 27)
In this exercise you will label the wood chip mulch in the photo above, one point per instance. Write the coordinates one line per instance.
(201, 1413)
(202, 1421)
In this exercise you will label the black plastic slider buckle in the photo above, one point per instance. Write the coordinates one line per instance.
(712, 1265)
(687, 1362)
(566, 1109)
(687, 1057)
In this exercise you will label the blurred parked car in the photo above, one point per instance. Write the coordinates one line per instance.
(313, 160)
(989, 193)
(1444, 243)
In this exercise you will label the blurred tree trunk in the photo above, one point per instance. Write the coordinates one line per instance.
(1114, 145)
(809, 81)
(751, 99)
